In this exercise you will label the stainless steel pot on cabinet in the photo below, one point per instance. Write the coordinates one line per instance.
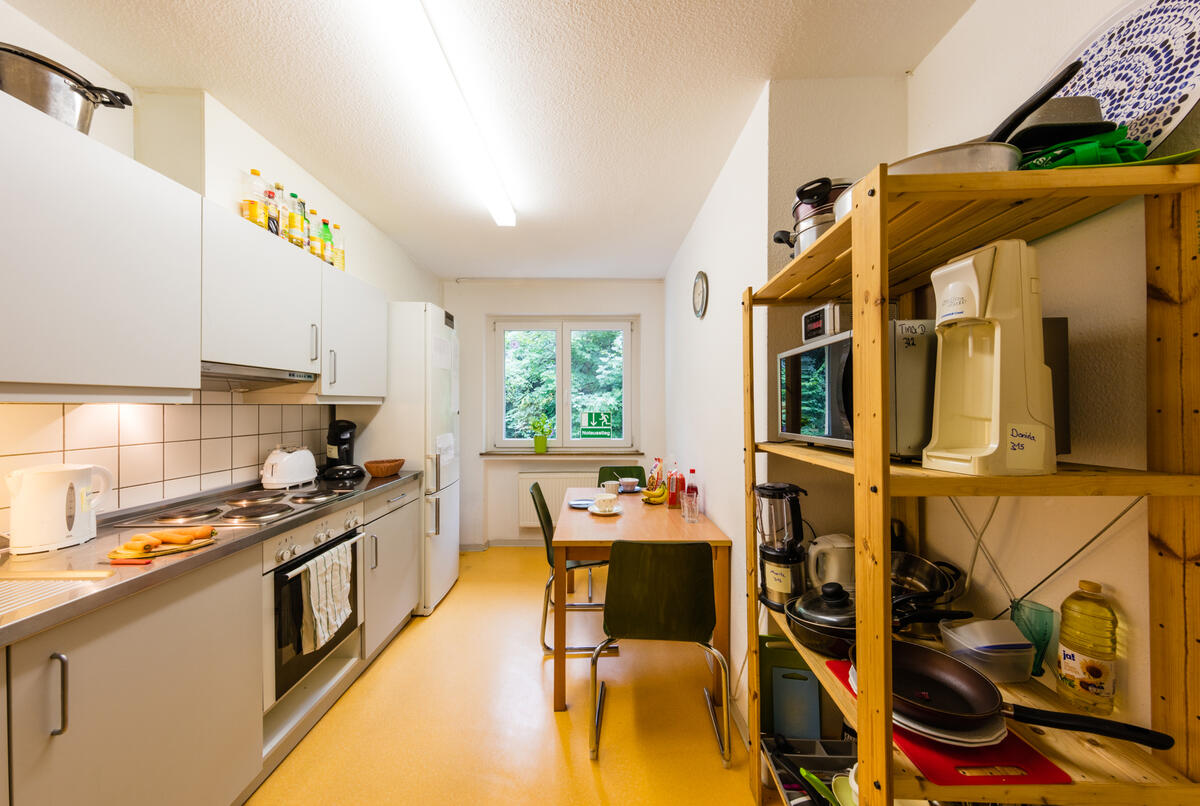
(56, 90)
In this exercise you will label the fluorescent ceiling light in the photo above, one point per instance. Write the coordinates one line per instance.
(468, 143)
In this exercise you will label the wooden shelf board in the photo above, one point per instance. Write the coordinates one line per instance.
(1103, 771)
(910, 479)
(934, 217)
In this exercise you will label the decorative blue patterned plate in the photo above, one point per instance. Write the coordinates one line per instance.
(1143, 64)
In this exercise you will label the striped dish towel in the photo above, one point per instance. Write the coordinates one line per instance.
(326, 595)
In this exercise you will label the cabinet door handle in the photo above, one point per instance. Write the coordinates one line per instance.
(375, 541)
(397, 498)
(314, 342)
(332, 367)
(63, 693)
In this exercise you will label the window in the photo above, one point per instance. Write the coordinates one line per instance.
(577, 374)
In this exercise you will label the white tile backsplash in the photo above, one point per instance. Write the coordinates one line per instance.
(157, 451)
(181, 459)
(141, 423)
(181, 422)
(245, 451)
(245, 420)
(141, 464)
(90, 425)
(141, 494)
(216, 454)
(215, 421)
(31, 427)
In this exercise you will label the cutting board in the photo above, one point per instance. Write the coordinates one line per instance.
(123, 554)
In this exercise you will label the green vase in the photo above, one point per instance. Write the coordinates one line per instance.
(539, 444)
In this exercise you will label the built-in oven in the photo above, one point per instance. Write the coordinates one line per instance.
(287, 559)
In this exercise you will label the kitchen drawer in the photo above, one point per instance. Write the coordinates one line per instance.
(393, 498)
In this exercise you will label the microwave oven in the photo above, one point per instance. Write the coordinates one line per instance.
(816, 388)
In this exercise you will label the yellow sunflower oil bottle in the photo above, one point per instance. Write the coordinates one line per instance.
(1087, 648)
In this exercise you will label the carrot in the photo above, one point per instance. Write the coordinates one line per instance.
(184, 536)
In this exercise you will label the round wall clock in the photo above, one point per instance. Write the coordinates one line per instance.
(700, 294)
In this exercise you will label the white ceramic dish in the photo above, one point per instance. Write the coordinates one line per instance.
(615, 510)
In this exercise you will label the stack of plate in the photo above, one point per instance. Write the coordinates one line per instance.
(988, 734)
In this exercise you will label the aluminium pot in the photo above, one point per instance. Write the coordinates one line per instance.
(806, 232)
(815, 197)
(56, 90)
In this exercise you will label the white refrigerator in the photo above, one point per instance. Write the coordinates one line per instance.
(419, 422)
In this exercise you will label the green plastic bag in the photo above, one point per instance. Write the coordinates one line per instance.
(1101, 149)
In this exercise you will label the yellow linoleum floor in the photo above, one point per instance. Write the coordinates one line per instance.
(458, 710)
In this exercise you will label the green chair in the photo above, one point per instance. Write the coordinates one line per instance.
(543, 512)
(661, 592)
(614, 472)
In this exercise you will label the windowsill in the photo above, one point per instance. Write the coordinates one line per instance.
(560, 453)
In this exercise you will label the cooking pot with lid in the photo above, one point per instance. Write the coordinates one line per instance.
(53, 88)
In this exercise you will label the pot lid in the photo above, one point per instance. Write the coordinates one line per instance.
(65, 72)
(778, 489)
(831, 606)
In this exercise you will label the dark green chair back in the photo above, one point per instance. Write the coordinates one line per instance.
(543, 512)
(660, 591)
(614, 473)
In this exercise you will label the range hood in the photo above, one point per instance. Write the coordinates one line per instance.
(238, 378)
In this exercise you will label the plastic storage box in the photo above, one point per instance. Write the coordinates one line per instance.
(996, 648)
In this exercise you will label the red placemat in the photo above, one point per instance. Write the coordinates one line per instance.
(947, 765)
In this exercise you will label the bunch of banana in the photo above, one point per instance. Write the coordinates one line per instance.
(658, 495)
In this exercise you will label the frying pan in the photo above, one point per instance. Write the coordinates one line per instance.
(937, 690)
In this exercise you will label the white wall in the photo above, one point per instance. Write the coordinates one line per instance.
(490, 514)
(231, 148)
(113, 127)
(961, 89)
(728, 240)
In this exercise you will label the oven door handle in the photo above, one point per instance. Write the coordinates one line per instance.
(295, 572)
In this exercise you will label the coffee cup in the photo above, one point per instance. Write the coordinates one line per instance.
(611, 486)
(606, 502)
(628, 484)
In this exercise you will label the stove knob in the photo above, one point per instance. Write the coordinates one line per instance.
(318, 538)
(349, 521)
(295, 551)
(281, 555)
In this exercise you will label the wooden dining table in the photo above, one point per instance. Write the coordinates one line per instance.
(580, 535)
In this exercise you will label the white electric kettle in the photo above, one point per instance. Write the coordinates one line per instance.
(54, 506)
(831, 559)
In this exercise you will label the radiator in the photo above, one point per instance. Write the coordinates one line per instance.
(554, 488)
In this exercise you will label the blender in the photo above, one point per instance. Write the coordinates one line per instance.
(780, 528)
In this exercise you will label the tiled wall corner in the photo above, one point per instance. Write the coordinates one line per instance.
(155, 451)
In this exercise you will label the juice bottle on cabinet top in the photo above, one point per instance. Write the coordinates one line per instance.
(281, 199)
(304, 222)
(339, 248)
(254, 198)
(314, 234)
(296, 221)
(1087, 648)
(272, 213)
(326, 242)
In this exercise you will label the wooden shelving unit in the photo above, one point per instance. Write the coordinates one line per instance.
(900, 229)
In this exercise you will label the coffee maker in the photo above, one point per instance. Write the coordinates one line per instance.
(781, 554)
(339, 450)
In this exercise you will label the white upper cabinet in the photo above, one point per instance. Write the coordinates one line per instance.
(262, 296)
(354, 342)
(100, 266)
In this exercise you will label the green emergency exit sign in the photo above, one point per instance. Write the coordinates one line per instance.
(595, 425)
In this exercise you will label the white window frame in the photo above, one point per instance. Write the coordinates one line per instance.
(563, 326)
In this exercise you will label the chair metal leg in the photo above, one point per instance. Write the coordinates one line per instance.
(597, 701)
(589, 584)
(547, 603)
(726, 701)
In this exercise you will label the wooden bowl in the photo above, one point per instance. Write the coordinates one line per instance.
(381, 468)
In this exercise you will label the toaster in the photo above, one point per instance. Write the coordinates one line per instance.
(288, 467)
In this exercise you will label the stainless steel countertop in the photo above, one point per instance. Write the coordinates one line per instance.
(130, 579)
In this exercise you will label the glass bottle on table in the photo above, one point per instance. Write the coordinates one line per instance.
(691, 498)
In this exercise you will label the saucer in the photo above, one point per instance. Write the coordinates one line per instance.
(615, 511)
(581, 503)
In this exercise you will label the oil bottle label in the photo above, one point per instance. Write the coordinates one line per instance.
(1088, 675)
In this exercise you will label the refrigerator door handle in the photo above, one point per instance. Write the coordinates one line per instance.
(437, 518)
(437, 472)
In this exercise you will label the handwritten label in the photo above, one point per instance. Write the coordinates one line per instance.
(1025, 445)
(778, 578)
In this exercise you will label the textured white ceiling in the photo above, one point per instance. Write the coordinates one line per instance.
(609, 119)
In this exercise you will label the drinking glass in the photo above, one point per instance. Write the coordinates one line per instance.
(691, 507)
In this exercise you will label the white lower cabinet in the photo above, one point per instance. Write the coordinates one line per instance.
(158, 697)
(393, 578)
